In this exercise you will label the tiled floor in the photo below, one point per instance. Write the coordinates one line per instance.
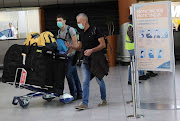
(155, 90)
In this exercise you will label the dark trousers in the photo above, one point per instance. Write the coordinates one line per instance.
(73, 78)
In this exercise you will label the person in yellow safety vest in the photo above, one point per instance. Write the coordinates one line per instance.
(130, 47)
(129, 38)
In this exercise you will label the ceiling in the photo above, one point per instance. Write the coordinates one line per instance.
(37, 3)
(157, 0)
(21, 4)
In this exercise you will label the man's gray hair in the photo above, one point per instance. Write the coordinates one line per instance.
(82, 15)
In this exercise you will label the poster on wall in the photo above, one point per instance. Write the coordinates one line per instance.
(153, 36)
(8, 30)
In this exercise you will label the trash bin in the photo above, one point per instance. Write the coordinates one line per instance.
(122, 53)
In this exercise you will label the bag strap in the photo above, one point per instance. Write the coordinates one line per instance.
(44, 38)
(50, 38)
(35, 43)
(59, 31)
(30, 46)
(107, 43)
(105, 39)
(94, 30)
(67, 33)
(68, 28)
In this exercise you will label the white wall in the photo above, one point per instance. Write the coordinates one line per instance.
(175, 8)
(33, 21)
(22, 24)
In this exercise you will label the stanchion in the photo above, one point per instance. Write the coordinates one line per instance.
(129, 102)
(135, 115)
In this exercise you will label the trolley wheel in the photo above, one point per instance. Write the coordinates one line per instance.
(47, 99)
(15, 101)
(24, 102)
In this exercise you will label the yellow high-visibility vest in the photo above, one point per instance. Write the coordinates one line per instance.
(129, 45)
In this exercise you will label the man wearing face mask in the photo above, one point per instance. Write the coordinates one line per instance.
(68, 34)
(94, 62)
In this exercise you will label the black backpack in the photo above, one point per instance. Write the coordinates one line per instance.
(12, 61)
(104, 50)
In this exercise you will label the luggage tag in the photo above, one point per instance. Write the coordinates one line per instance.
(23, 77)
(24, 58)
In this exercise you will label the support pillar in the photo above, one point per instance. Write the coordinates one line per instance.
(124, 10)
(42, 20)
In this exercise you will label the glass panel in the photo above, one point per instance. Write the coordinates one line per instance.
(17, 24)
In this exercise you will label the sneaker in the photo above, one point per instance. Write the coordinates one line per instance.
(46, 96)
(151, 74)
(81, 106)
(66, 98)
(130, 83)
(143, 77)
(103, 103)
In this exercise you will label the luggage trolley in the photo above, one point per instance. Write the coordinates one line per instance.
(20, 82)
(25, 99)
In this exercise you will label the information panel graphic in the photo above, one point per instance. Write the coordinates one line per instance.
(153, 36)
